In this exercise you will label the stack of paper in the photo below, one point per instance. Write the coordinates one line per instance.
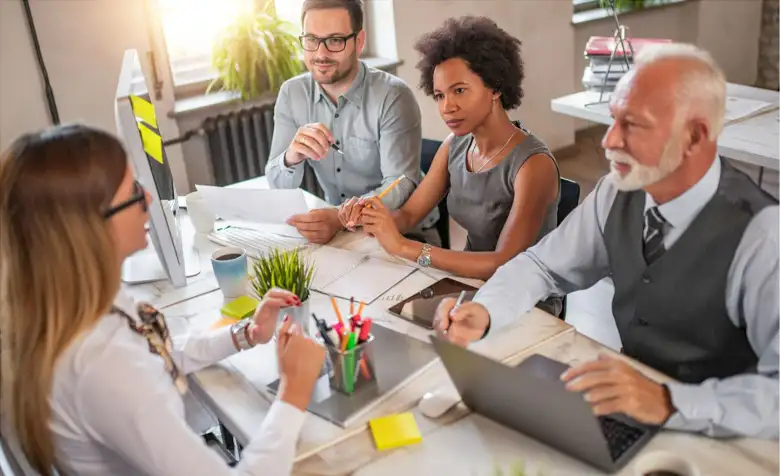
(740, 108)
(269, 207)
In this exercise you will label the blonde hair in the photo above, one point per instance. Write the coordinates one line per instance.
(59, 268)
(702, 88)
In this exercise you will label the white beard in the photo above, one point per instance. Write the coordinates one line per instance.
(640, 176)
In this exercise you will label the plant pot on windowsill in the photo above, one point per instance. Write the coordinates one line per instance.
(256, 54)
(291, 271)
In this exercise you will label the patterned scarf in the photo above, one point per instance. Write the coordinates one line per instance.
(155, 330)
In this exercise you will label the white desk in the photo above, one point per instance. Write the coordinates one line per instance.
(474, 445)
(468, 444)
(753, 141)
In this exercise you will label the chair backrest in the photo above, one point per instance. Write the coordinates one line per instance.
(429, 149)
(570, 198)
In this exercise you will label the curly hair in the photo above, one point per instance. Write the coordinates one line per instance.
(490, 52)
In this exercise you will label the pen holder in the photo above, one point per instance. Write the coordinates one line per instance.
(352, 369)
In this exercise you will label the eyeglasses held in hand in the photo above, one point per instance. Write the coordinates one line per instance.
(139, 196)
(334, 44)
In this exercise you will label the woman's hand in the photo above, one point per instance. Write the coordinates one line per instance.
(267, 314)
(349, 213)
(378, 222)
(300, 362)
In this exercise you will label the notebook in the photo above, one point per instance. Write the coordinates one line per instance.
(346, 274)
(394, 431)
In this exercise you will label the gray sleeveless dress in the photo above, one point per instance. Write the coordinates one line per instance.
(481, 202)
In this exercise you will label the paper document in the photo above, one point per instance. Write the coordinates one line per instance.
(269, 207)
(739, 108)
(347, 274)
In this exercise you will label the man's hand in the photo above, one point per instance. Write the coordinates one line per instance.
(318, 226)
(462, 325)
(349, 213)
(267, 313)
(312, 141)
(613, 386)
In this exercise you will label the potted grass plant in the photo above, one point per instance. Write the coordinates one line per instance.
(256, 54)
(289, 270)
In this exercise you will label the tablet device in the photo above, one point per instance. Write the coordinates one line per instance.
(420, 308)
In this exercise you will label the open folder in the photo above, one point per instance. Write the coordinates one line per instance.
(346, 274)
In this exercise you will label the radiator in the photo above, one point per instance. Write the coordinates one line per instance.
(239, 143)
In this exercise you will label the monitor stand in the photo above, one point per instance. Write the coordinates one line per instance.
(145, 266)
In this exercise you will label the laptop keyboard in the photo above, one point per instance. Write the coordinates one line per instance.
(620, 436)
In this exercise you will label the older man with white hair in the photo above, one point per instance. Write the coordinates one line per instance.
(691, 245)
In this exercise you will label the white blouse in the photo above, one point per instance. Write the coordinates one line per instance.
(115, 410)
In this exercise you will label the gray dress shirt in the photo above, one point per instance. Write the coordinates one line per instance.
(574, 257)
(376, 123)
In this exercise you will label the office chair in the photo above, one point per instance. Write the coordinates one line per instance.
(570, 198)
(429, 148)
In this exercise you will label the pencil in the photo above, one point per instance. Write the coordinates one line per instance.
(360, 308)
(336, 310)
(391, 187)
(460, 300)
(351, 306)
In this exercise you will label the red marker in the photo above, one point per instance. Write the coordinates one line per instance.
(365, 330)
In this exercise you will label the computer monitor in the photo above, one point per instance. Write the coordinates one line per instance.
(167, 257)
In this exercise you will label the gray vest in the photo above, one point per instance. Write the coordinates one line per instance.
(672, 314)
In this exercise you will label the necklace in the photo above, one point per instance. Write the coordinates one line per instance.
(494, 155)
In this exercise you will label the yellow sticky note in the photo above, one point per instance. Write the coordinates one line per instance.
(152, 143)
(239, 308)
(395, 431)
(144, 110)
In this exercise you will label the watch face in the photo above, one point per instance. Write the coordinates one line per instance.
(424, 261)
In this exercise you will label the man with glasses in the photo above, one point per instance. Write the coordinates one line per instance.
(358, 127)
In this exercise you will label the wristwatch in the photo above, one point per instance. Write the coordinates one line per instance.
(424, 259)
(240, 333)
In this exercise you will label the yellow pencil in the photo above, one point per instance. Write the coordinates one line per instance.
(336, 310)
(360, 309)
(391, 187)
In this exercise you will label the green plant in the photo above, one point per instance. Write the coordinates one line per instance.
(624, 4)
(288, 270)
(256, 54)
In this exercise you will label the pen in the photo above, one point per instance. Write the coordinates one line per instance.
(365, 330)
(323, 330)
(351, 306)
(336, 148)
(459, 301)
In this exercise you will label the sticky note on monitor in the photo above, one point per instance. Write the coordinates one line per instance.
(395, 431)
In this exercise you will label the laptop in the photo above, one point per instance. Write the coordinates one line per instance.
(531, 399)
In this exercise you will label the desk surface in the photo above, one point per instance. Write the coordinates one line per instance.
(753, 140)
(468, 444)
(482, 444)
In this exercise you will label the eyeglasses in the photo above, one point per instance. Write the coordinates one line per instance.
(334, 44)
(139, 196)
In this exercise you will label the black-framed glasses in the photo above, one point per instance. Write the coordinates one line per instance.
(334, 44)
(139, 196)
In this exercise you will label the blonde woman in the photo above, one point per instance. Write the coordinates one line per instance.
(91, 380)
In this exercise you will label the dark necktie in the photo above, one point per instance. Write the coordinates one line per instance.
(654, 235)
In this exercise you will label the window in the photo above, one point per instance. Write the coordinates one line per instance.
(190, 28)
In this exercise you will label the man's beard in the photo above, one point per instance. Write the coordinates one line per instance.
(641, 176)
(337, 75)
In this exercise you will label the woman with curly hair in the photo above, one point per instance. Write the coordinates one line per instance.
(501, 182)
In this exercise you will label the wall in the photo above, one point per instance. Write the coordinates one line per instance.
(82, 42)
(769, 47)
(22, 106)
(543, 26)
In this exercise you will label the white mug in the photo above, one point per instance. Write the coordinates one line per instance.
(201, 216)
(657, 462)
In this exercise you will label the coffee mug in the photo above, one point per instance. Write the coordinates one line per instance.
(230, 269)
(201, 216)
(663, 463)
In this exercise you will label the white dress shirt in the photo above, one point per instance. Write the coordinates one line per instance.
(115, 410)
(574, 257)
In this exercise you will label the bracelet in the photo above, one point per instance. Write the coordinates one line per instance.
(240, 334)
